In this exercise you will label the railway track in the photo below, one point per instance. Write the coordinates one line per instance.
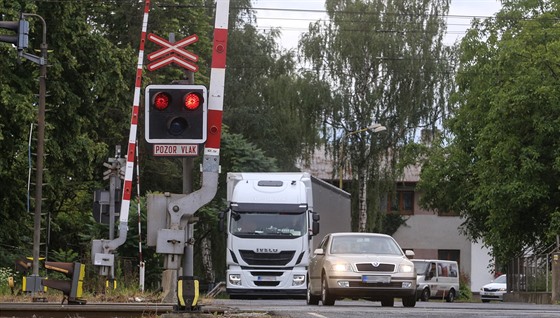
(100, 310)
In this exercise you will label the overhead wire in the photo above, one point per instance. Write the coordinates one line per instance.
(284, 17)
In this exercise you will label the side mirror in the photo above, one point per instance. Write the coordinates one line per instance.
(319, 251)
(410, 254)
(315, 223)
(316, 217)
(315, 228)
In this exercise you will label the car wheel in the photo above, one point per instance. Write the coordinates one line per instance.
(409, 301)
(425, 295)
(311, 299)
(451, 296)
(388, 302)
(326, 298)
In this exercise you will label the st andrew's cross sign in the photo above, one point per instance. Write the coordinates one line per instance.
(172, 53)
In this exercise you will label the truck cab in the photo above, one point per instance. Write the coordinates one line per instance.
(270, 224)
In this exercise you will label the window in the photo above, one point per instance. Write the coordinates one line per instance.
(450, 255)
(402, 203)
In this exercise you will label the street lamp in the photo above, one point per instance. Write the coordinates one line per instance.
(374, 128)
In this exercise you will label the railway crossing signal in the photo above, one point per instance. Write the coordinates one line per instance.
(172, 53)
(21, 37)
(176, 114)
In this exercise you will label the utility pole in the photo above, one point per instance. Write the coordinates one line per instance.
(21, 41)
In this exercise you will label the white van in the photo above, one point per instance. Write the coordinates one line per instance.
(436, 279)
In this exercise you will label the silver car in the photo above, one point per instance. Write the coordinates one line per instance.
(360, 265)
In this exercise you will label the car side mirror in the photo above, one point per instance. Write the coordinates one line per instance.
(319, 251)
(410, 254)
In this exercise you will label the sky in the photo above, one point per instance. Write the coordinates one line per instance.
(294, 16)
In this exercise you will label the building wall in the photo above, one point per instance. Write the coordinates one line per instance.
(480, 261)
(426, 234)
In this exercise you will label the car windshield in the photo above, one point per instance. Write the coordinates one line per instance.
(355, 244)
(254, 224)
(501, 279)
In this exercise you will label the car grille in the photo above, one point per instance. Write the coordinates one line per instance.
(361, 284)
(271, 259)
(368, 267)
(491, 289)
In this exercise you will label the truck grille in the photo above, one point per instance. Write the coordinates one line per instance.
(266, 284)
(368, 267)
(271, 259)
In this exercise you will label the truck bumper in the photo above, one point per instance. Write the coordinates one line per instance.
(263, 282)
(238, 293)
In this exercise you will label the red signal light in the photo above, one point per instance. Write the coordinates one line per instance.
(161, 101)
(192, 101)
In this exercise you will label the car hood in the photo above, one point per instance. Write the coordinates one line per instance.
(494, 286)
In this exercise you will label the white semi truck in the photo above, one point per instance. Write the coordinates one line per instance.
(271, 221)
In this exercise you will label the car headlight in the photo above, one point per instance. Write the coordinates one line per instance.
(341, 267)
(405, 268)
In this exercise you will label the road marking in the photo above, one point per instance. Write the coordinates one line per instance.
(317, 315)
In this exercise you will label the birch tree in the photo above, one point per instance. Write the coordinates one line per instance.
(387, 63)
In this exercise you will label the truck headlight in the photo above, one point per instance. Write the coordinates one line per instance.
(235, 279)
(298, 280)
(405, 268)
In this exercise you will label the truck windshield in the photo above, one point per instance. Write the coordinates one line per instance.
(257, 224)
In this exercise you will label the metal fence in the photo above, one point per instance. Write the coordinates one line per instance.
(532, 271)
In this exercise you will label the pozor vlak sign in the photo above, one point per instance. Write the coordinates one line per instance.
(176, 118)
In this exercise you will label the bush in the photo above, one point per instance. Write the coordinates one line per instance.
(5, 274)
(465, 292)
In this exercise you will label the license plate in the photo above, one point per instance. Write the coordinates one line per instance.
(266, 278)
(376, 279)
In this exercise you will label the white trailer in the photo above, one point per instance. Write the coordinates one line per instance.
(271, 221)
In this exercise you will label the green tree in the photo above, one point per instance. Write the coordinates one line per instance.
(91, 78)
(500, 165)
(17, 112)
(266, 100)
(385, 63)
(91, 75)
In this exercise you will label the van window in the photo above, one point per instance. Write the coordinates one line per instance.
(453, 270)
(443, 270)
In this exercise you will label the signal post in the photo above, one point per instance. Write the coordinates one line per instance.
(176, 123)
(175, 126)
(172, 235)
(180, 119)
